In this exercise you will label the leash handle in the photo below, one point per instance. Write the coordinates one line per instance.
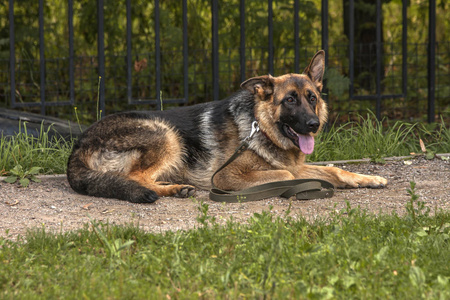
(304, 189)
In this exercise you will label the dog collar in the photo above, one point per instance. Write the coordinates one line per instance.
(259, 129)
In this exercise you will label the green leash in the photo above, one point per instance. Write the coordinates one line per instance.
(303, 189)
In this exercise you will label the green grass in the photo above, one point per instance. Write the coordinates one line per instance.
(366, 137)
(349, 255)
(49, 154)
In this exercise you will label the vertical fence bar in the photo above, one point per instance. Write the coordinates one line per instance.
(379, 59)
(242, 43)
(296, 38)
(158, 56)
(128, 58)
(431, 59)
(325, 43)
(42, 56)
(185, 52)
(215, 48)
(325, 29)
(351, 48)
(12, 54)
(71, 53)
(270, 24)
(404, 47)
(101, 57)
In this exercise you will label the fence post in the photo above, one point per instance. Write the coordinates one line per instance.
(270, 25)
(71, 53)
(379, 59)
(42, 56)
(325, 43)
(128, 59)
(215, 48)
(296, 38)
(431, 59)
(185, 51)
(101, 57)
(404, 48)
(12, 54)
(351, 53)
(158, 56)
(325, 29)
(242, 42)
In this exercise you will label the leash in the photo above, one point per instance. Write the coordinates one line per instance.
(303, 189)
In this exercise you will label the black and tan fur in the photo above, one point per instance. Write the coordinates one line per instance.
(139, 156)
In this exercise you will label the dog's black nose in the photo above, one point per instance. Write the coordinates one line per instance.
(313, 125)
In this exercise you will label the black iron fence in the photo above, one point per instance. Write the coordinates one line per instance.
(402, 79)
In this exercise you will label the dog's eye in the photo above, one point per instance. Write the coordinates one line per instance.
(290, 99)
(312, 98)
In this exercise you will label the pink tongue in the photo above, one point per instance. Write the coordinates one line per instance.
(306, 143)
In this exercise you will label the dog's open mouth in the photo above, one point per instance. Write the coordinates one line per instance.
(304, 141)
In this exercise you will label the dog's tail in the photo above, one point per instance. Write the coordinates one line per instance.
(87, 181)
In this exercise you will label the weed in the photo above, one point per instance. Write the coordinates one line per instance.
(78, 120)
(415, 208)
(377, 158)
(99, 111)
(241, 198)
(23, 176)
(203, 217)
(429, 154)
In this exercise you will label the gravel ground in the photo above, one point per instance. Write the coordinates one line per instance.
(54, 205)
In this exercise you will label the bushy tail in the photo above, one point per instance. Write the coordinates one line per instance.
(105, 184)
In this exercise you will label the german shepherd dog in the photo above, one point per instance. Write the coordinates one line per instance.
(140, 156)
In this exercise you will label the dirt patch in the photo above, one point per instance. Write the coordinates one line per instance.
(54, 205)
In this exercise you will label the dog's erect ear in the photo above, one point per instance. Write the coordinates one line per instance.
(261, 86)
(316, 69)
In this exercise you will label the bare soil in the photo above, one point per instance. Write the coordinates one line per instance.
(52, 204)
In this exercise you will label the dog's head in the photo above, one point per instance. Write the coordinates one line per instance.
(289, 108)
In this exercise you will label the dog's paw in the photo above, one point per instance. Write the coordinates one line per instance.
(374, 182)
(147, 196)
(377, 182)
(185, 191)
(354, 180)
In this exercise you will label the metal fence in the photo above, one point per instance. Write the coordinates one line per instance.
(143, 80)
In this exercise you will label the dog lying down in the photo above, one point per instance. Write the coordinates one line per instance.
(140, 156)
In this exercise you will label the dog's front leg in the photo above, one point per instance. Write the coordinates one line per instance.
(340, 178)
